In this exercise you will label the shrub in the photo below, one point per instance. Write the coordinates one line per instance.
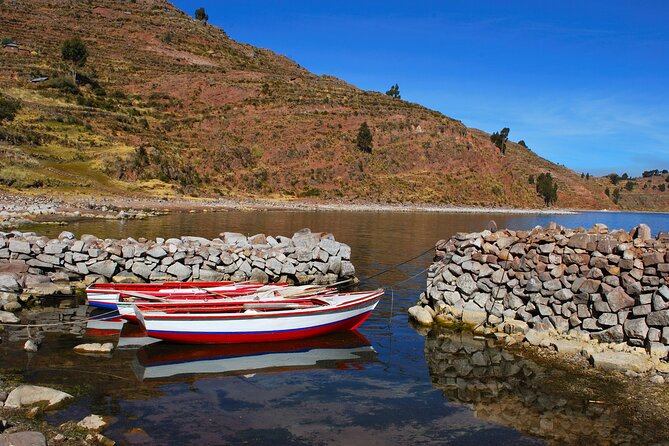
(662, 187)
(630, 185)
(530, 179)
(8, 108)
(168, 37)
(365, 137)
(522, 143)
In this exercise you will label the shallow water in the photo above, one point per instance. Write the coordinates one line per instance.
(389, 386)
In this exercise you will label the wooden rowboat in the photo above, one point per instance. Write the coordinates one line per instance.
(214, 323)
(265, 296)
(107, 295)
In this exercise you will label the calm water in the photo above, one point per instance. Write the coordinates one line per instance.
(388, 386)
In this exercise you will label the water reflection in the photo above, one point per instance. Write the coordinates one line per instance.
(349, 350)
(545, 402)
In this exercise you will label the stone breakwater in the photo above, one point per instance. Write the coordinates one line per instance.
(33, 265)
(608, 285)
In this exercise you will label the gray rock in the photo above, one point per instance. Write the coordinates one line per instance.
(347, 269)
(621, 361)
(512, 301)
(474, 317)
(26, 395)
(618, 299)
(19, 246)
(466, 284)
(607, 319)
(95, 348)
(258, 275)
(553, 285)
(8, 282)
(613, 334)
(106, 268)
(181, 271)
(26, 438)
(564, 295)
(421, 315)
(9, 318)
(533, 285)
(142, 269)
(658, 318)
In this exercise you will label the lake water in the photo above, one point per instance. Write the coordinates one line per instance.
(387, 385)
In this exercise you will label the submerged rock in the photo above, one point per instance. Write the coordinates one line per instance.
(25, 395)
(95, 348)
(621, 361)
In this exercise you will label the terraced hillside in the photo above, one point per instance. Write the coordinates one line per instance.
(168, 105)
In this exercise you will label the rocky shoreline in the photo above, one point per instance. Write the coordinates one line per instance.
(597, 293)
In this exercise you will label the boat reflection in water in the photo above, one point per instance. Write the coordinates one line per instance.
(346, 350)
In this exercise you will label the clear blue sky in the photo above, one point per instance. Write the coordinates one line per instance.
(584, 83)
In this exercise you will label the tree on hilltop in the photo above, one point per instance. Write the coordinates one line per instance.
(365, 138)
(75, 53)
(394, 92)
(500, 139)
(201, 15)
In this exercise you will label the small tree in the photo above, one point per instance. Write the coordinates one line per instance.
(547, 188)
(522, 143)
(394, 92)
(201, 15)
(629, 185)
(615, 196)
(607, 192)
(365, 138)
(587, 176)
(500, 139)
(8, 108)
(75, 53)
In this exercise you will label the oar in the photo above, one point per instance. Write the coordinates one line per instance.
(143, 296)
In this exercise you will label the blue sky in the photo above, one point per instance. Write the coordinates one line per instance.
(584, 83)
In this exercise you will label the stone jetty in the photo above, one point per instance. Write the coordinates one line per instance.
(34, 266)
(611, 285)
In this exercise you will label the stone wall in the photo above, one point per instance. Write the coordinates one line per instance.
(32, 265)
(610, 284)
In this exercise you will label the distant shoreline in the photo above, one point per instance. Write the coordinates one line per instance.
(19, 207)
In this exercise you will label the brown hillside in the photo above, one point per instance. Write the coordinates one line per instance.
(169, 105)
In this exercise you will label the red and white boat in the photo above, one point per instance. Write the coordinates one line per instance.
(129, 301)
(278, 320)
(107, 295)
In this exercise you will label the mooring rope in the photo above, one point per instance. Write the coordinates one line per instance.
(393, 267)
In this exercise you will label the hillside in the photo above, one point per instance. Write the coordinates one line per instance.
(167, 105)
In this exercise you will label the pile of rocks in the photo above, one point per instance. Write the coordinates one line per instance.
(610, 284)
(32, 265)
